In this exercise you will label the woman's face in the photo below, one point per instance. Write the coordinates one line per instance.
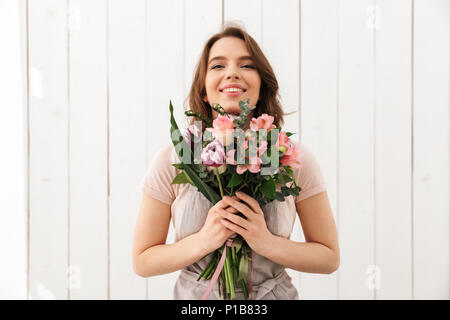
(229, 63)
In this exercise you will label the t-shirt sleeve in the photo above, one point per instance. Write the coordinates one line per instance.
(309, 176)
(157, 180)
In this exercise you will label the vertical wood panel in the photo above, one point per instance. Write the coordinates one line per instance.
(165, 65)
(393, 149)
(319, 35)
(356, 149)
(127, 86)
(280, 43)
(248, 14)
(49, 170)
(13, 138)
(431, 149)
(203, 18)
(88, 150)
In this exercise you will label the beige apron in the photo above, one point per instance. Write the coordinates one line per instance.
(270, 280)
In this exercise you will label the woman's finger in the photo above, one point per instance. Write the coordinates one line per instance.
(244, 209)
(253, 203)
(234, 218)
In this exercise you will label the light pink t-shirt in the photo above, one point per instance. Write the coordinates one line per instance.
(157, 184)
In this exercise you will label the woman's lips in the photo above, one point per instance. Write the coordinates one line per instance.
(233, 94)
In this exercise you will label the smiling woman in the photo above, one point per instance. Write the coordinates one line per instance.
(232, 68)
(233, 59)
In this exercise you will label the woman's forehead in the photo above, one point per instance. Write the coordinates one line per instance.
(229, 47)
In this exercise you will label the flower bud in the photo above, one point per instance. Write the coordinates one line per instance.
(283, 149)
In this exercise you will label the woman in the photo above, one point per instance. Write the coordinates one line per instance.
(232, 59)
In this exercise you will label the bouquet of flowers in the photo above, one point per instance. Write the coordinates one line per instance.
(226, 159)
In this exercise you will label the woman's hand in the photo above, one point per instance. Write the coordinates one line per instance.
(254, 228)
(213, 234)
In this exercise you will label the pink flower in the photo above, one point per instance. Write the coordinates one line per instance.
(253, 166)
(291, 157)
(222, 130)
(223, 123)
(194, 130)
(264, 121)
(254, 162)
(230, 157)
(283, 140)
(213, 154)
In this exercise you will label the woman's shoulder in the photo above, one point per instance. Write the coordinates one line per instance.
(157, 181)
(309, 174)
(165, 156)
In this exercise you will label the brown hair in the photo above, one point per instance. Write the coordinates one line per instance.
(268, 102)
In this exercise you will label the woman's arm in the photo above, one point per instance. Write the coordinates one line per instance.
(320, 252)
(151, 256)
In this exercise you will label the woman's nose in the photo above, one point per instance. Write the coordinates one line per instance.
(233, 74)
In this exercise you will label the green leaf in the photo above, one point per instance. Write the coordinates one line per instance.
(283, 178)
(205, 189)
(235, 180)
(191, 113)
(279, 196)
(268, 189)
(178, 165)
(289, 172)
(289, 134)
(177, 138)
(181, 178)
(181, 145)
(243, 265)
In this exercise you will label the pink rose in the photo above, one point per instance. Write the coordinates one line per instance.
(223, 123)
(264, 121)
(222, 130)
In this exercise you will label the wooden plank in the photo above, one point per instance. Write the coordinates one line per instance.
(319, 95)
(431, 149)
(355, 134)
(88, 150)
(48, 171)
(127, 105)
(282, 18)
(164, 70)
(203, 18)
(393, 150)
(13, 138)
(247, 14)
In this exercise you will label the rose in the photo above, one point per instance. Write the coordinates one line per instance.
(222, 130)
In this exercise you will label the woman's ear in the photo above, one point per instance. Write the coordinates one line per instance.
(205, 98)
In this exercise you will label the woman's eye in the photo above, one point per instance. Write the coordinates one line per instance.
(217, 65)
(249, 66)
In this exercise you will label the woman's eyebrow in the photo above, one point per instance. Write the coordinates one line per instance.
(225, 58)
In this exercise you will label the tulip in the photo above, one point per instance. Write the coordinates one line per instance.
(213, 154)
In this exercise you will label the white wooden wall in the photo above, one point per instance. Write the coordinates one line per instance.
(370, 82)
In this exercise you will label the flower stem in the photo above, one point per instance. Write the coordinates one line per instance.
(216, 171)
